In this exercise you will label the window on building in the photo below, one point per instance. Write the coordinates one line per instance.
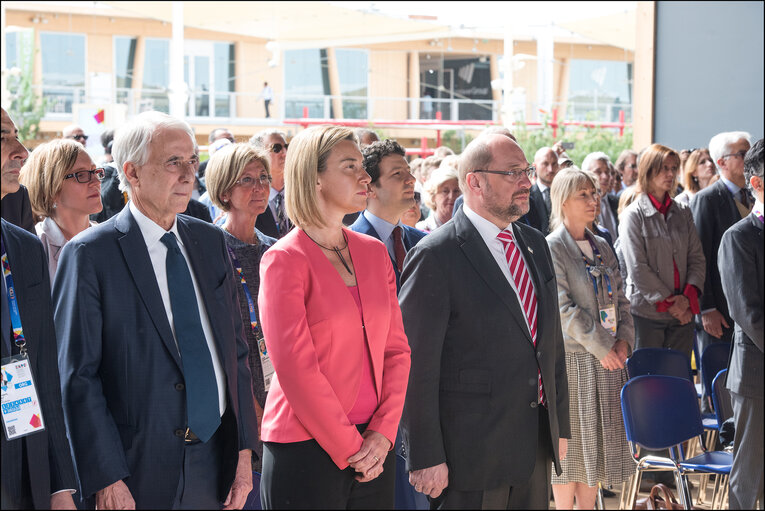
(306, 83)
(63, 69)
(124, 61)
(225, 72)
(156, 76)
(353, 70)
(598, 89)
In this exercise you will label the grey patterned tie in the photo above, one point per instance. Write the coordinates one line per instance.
(282, 222)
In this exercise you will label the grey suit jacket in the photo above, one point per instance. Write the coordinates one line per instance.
(472, 393)
(741, 265)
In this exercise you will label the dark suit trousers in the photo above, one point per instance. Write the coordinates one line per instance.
(16, 491)
(746, 476)
(301, 475)
(199, 483)
(532, 494)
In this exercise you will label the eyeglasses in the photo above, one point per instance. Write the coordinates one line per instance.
(417, 197)
(739, 154)
(85, 176)
(514, 174)
(631, 166)
(176, 164)
(277, 148)
(84, 138)
(250, 182)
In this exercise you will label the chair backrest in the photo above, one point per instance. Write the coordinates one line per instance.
(721, 398)
(660, 411)
(659, 361)
(714, 359)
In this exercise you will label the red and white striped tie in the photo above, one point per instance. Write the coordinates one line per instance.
(525, 289)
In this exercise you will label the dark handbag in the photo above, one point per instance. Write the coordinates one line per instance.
(655, 501)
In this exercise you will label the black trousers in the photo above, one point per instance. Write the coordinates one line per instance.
(301, 475)
(531, 494)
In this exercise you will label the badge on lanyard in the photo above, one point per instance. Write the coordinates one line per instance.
(608, 318)
(19, 401)
(265, 360)
(607, 313)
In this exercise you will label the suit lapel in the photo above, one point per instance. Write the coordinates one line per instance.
(485, 265)
(137, 259)
(726, 196)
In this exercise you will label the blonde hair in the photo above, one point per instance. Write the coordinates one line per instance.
(225, 167)
(627, 197)
(306, 159)
(650, 163)
(691, 182)
(566, 183)
(44, 171)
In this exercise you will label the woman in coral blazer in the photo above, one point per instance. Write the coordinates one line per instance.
(333, 330)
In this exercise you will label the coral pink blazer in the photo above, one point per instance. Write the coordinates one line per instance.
(315, 339)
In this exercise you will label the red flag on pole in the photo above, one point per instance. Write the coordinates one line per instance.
(99, 117)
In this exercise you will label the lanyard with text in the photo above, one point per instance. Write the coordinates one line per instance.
(20, 404)
(607, 312)
(265, 360)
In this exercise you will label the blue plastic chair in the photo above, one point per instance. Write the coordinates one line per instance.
(662, 412)
(713, 360)
(663, 361)
(721, 398)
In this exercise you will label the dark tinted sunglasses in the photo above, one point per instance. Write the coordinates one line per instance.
(417, 197)
(277, 148)
(84, 138)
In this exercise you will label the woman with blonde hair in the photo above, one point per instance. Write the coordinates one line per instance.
(441, 192)
(334, 332)
(662, 256)
(598, 336)
(698, 172)
(238, 183)
(64, 190)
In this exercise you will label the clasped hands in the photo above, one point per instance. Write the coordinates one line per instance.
(369, 459)
(680, 309)
(617, 357)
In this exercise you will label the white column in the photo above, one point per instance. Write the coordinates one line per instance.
(5, 96)
(507, 82)
(545, 69)
(177, 88)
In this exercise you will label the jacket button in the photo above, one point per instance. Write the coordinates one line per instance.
(533, 404)
(539, 354)
(180, 433)
(179, 386)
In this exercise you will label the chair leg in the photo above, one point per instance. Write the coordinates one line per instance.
(702, 496)
(599, 503)
(634, 486)
(684, 492)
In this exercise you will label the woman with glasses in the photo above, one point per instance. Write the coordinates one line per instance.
(662, 256)
(238, 181)
(64, 190)
(442, 190)
(333, 328)
(598, 334)
(698, 172)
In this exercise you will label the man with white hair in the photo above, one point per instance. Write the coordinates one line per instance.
(600, 164)
(274, 221)
(156, 386)
(76, 133)
(715, 209)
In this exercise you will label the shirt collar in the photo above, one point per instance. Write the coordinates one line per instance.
(541, 186)
(52, 231)
(485, 228)
(152, 232)
(734, 188)
(273, 193)
(383, 227)
(758, 208)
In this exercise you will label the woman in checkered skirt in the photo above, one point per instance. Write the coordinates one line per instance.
(598, 335)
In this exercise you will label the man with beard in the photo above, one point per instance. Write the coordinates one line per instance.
(486, 412)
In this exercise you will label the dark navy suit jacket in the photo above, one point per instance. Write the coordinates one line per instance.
(410, 238)
(49, 460)
(122, 377)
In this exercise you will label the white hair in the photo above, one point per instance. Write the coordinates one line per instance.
(593, 157)
(720, 143)
(131, 140)
(259, 139)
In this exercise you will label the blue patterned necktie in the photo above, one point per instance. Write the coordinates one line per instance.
(201, 387)
(281, 216)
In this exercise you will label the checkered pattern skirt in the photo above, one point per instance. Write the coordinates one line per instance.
(598, 450)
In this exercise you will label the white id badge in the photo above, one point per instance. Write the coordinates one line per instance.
(265, 363)
(608, 318)
(22, 414)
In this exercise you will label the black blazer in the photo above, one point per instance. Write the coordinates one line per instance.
(410, 238)
(122, 376)
(472, 393)
(742, 273)
(17, 209)
(714, 211)
(537, 216)
(48, 457)
(266, 223)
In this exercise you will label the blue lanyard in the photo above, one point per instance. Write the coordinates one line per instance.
(596, 253)
(247, 294)
(18, 332)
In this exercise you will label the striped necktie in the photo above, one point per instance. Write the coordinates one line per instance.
(526, 294)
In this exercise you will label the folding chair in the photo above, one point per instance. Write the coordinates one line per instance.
(662, 412)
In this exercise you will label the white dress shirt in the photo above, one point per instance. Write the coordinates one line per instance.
(385, 231)
(53, 241)
(152, 236)
(489, 232)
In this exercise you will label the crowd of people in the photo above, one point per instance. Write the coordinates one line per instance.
(356, 330)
